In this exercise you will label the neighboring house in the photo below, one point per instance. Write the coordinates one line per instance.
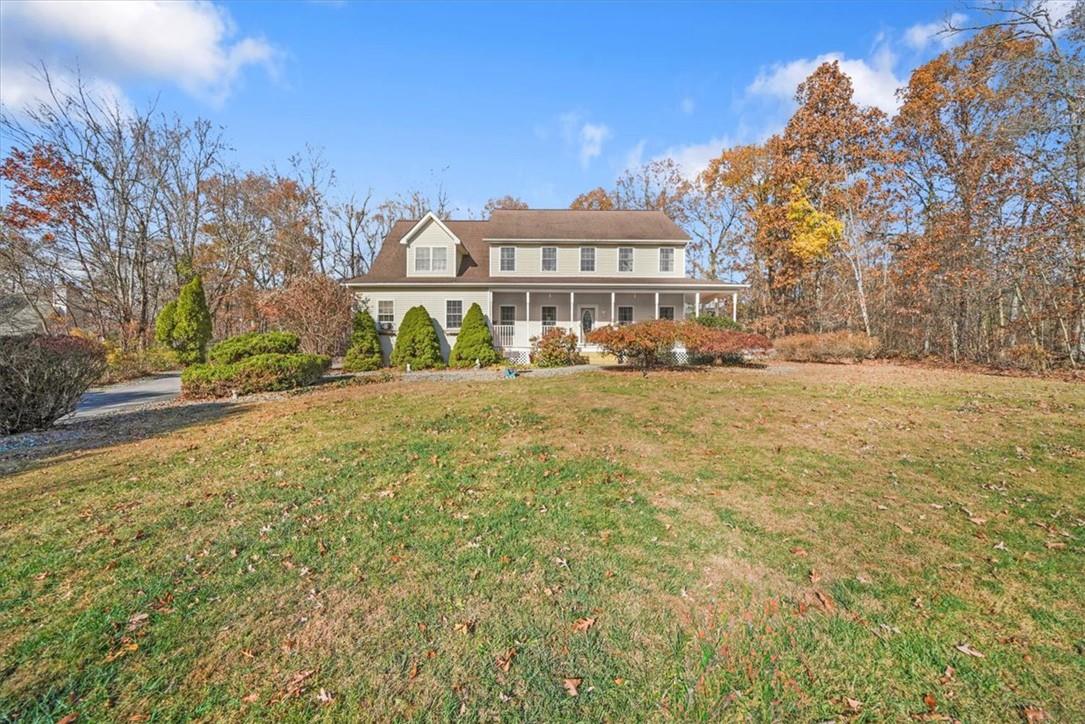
(531, 270)
(19, 316)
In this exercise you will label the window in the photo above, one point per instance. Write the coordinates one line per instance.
(506, 314)
(625, 260)
(421, 258)
(453, 313)
(439, 255)
(549, 258)
(386, 314)
(625, 315)
(549, 317)
(666, 312)
(508, 258)
(587, 258)
(666, 260)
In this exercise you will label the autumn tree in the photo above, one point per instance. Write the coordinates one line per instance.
(503, 202)
(598, 199)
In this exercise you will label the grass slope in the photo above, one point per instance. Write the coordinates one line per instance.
(734, 543)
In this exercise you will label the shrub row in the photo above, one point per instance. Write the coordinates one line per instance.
(650, 343)
(238, 348)
(556, 348)
(259, 373)
(43, 376)
(826, 347)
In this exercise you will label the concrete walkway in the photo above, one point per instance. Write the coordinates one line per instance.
(127, 395)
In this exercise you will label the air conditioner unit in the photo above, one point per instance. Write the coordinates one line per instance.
(385, 326)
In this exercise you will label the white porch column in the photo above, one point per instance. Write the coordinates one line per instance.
(697, 304)
(734, 306)
(612, 308)
(527, 307)
(657, 305)
(572, 316)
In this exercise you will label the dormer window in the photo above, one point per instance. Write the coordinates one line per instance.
(549, 258)
(666, 260)
(508, 258)
(625, 260)
(431, 259)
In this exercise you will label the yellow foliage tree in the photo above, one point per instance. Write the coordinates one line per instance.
(813, 232)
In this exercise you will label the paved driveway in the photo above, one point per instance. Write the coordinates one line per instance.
(127, 395)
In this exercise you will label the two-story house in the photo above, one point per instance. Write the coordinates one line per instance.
(531, 270)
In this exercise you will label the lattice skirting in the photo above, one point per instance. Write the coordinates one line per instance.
(518, 356)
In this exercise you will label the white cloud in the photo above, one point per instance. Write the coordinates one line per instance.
(688, 105)
(923, 35)
(693, 158)
(192, 44)
(592, 137)
(635, 157)
(873, 80)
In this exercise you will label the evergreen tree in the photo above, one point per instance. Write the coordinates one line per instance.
(364, 353)
(164, 324)
(192, 323)
(475, 342)
(416, 342)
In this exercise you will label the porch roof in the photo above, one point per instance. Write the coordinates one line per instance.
(561, 283)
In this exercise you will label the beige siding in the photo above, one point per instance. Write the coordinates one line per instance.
(643, 304)
(433, 235)
(529, 261)
(432, 300)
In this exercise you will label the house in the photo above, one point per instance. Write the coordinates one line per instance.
(22, 315)
(531, 270)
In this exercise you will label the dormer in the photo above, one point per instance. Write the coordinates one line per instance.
(432, 249)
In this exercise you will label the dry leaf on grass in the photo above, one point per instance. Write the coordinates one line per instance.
(324, 697)
(800, 552)
(250, 698)
(930, 702)
(854, 705)
(947, 676)
(69, 718)
(137, 621)
(572, 686)
(966, 649)
(583, 624)
(814, 576)
(1033, 713)
(505, 661)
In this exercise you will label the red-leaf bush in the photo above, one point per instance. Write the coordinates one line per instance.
(43, 376)
(644, 344)
(826, 347)
(721, 345)
(556, 348)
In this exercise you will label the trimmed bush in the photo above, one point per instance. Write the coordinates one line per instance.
(828, 347)
(364, 352)
(235, 349)
(722, 346)
(556, 348)
(260, 373)
(715, 322)
(475, 342)
(191, 324)
(135, 363)
(164, 324)
(43, 376)
(416, 341)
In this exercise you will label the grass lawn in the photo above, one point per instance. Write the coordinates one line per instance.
(799, 542)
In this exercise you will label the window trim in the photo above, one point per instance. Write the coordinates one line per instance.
(631, 257)
(618, 317)
(392, 314)
(542, 315)
(433, 258)
(501, 259)
(418, 259)
(501, 314)
(672, 255)
(590, 249)
(449, 326)
(659, 312)
(542, 259)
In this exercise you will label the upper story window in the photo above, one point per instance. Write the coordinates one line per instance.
(431, 258)
(587, 258)
(508, 258)
(625, 260)
(453, 313)
(549, 258)
(666, 259)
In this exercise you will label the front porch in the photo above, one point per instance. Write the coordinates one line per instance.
(519, 316)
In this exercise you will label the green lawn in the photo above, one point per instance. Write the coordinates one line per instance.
(799, 542)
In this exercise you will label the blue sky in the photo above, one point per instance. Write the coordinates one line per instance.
(542, 101)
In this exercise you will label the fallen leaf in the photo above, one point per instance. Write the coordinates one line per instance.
(250, 698)
(465, 627)
(583, 624)
(137, 621)
(619, 681)
(1055, 545)
(322, 547)
(947, 676)
(69, 718)
(41, 576)
(324, 697)
(930, 702)
(814, 576)
(853, 704)
(978, 520)
(1033, 713)
(413, 673)
(966, 649)
(505, 661)
(126, 647)
(826, 602)
(572, 686)
(800, 552)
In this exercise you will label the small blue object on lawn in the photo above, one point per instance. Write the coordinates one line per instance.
(510, 373)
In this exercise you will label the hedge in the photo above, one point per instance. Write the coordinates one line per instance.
(191, 328)
(416, 341)
(475, 342)
(826, 347)
(235, 349)
(556, 348)
(261, 373)
(43, 376)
